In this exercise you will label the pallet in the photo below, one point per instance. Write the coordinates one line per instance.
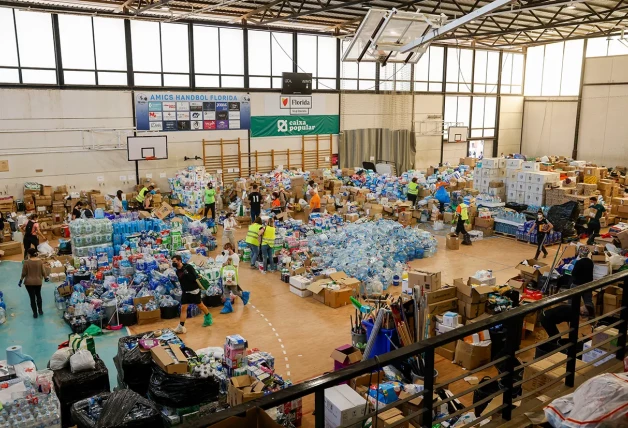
(533, 244)
(504, 234)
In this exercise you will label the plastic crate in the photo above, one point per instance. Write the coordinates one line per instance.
(382, 345)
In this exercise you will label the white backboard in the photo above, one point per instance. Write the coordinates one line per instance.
(149, 146)
(457, 134)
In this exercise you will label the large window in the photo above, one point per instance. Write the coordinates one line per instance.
(428, 71)
(606, 46)
(483, 117)
(218, 57)
(93, 50)
(395, 77)
(29, 57)
(512, 73)
(553, 70)
(356, 76)
(318, 55)
(271, 52)
(160, 54)
(485, 74)
(459, 70)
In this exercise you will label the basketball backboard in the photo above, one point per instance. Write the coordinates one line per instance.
(383, 33)
(149, 147)
(457, 134)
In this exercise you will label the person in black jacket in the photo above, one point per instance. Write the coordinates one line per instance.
(582, 273)
(191, 293)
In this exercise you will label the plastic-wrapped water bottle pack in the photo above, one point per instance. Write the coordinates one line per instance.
(188, 185)
(374, 250)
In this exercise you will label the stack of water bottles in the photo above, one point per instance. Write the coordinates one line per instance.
(371, 251)
(3, 309)
(148, 230)
(91, 237)
(36, 407)
(188, 185)
(508, 221)
(525, 233)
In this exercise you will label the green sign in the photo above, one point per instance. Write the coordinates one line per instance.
(278, 126)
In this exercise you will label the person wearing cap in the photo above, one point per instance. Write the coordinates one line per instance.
(413, 191)
(462, 212)
(581, 274)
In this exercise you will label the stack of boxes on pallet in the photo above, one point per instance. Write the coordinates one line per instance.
(532, 183)
(490, 177)
(513, 168)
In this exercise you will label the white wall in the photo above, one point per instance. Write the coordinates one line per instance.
(603, 124)
(428, 147)
(510, 123)
(549, 126)
(361, 111)
(67, 157)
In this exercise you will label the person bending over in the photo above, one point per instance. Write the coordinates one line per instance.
(191, 293)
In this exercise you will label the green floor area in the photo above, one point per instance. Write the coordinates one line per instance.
(40, 337)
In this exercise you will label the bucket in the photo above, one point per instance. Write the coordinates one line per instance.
(358, 339)
(382, 344)
(396, 281)
(127, 319)
(169, 312)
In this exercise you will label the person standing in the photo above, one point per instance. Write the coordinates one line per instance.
(228, 232)
(210, 200)
(542, 227)
(231, 281)
(141, 196)
(594, 222)
(76, 211)
(33, 275)
(268, 242)
(117, 203)
(255, 198)
(283, 198)
(191, 293)
(462, 212)
(413, 191)
(253, 239)
(315, 200)
(2, 223)
(31, 234)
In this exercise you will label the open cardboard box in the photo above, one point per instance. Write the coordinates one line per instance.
(163, 357)
(244, 388)
(345, 355)
(346, 281)
(318, 289)
(472, 356)
(338, 298)
(146, 317)
(430, 281)
(470, 293)
(530, 272)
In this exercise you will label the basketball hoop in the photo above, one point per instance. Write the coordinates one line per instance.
(150, 158)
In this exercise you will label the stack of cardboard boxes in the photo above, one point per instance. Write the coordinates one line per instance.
(491, 177)
(532, 183)
(334, 290)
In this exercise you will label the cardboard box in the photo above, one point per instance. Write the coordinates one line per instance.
(343, 406)
(601, 335)
(46, 190)
(550, 375)
(441, 295)
(346, 281)
(299, 292)
(170, 358)
(318, 290)
(11, 248)
(471, 310)
(338, 298)
(163, 211)
(442, 307)
(469, 292)
(244, 388)
(255, 417)
(345, 355)
(452, 242)
(391, 418)
(146, 317)
(430, 281)
(612, 298)
(487, 223)
(532, 273)
(472, 356)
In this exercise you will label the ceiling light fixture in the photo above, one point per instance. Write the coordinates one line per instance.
(164, 8)
(571, 5)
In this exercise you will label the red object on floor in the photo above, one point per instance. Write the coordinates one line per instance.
(532, 295)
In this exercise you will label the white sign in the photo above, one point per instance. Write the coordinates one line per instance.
(123, 178)
(162, 175)
(302, 105)
(131, 177)
(149, 175)
(100, 179)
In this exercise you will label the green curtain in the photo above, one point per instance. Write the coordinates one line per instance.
(359, 145)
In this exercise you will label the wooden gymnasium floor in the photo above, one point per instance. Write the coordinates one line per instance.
(302, 333)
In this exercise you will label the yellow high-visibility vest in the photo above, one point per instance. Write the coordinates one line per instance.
(252, 236)
(413, 188)
(142, 195)
(269, 236)
(464, 213)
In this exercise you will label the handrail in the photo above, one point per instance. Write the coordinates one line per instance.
(318, 384)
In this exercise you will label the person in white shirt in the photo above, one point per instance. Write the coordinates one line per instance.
(308, 193)
(117, 203)
(228, 233)
(229, 253)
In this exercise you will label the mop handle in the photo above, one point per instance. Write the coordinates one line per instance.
(376, 327)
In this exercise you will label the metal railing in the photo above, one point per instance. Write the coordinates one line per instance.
(512, 321)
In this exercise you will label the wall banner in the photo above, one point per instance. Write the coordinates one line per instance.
(191, 111)
(280, 126)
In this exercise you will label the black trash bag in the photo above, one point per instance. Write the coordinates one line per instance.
(120, 409)
(563, 218)
(181, 390)
(516, 207)
(71, 387)
(134, 367)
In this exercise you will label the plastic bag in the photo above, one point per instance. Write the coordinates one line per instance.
(181, 390)
(441, 195)
(45, 249)
(134, 367)
(71, 387)
(598, 401)
(81, 361)
(615, 260)
(563, 218)
(60, 358)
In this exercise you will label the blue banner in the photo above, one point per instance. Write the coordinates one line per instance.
(191, 111)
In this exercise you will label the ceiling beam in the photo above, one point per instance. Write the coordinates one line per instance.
(298, 14)
(151, 6)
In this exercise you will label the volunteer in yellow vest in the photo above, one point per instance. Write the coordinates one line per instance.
(413, 191)
(462, 212)
(142, 195)
(254, 238)
(210, 200)
(268, 241)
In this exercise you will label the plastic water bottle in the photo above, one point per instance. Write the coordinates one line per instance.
(3, 316)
